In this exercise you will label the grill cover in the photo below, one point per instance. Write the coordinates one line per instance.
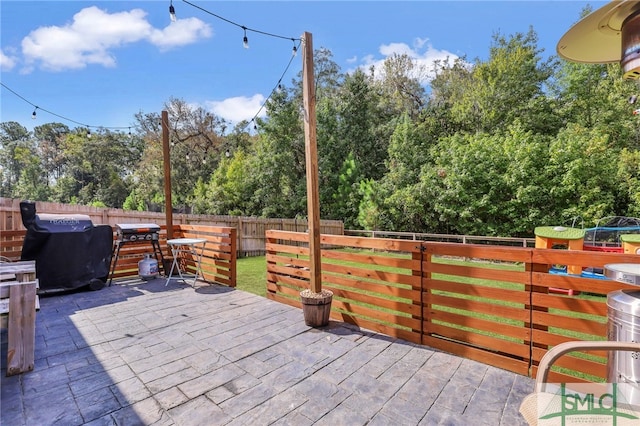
(70, 252)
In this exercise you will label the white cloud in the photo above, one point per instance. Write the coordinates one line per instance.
(180, 33)
(7, 61)
(94, 34)
(422, 52)
(238, 108)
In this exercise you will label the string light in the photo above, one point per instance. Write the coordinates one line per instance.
(245, 40)
(36, 107)
(238, 25)
(172, 12)
(245, 43)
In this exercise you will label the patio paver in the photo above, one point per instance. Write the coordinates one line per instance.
(142, 353)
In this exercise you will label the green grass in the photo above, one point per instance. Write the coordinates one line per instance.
(252, 275)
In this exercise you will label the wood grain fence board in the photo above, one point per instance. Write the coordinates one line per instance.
(466, 321)
(372, 274)
(546, 340)
(478, 340)
(287, 260)
(281, 248)
(375, 316)
(479, 251)
(483, 356)
(575, 367)
(478, 307)
(587, 285)
(406, 307)
(286, 290)
(557, 377)
(571, 304)
(372, 259)
(384, 289)
(579, 325)
(290, 271)
(371, 243)
(289, 280)
(404, 334)
(580, 258)
(507, 276)
(477, 290)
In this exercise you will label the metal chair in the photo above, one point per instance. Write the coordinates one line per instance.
(529, 408)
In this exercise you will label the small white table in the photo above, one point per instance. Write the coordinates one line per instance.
(192, 246)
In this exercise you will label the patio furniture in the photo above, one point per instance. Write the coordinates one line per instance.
(541, 398)
(18, 299)
(193, 247)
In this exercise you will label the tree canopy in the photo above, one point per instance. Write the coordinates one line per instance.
(489, 147)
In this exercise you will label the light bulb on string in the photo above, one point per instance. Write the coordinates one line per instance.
(33, 115)
(89, 133)
(245, 40)
(294, 51)
(172, 12)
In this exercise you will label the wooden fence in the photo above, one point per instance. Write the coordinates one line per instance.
(445, 238)
(503, 308)
(218, 260)
(250, 230)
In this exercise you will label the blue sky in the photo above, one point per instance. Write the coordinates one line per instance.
(99, 63)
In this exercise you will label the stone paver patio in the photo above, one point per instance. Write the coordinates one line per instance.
(140, 353)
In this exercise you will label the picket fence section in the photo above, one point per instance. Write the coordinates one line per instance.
(497, 305)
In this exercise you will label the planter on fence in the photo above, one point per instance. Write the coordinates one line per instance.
(316, 307)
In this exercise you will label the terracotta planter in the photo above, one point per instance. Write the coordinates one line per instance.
(316, 307)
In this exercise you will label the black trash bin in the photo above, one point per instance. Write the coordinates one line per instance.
(70, 252)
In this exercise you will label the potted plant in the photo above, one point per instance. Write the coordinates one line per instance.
(316, 306)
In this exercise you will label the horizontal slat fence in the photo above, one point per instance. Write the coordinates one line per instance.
(218, 261)
(219, 257)
(371, 290)
(477, 309)
(558, 318)
(250, 233)
(497, 305)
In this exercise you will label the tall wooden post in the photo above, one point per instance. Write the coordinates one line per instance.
(311, 156)
(168, 208)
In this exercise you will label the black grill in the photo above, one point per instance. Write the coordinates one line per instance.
(137, 232)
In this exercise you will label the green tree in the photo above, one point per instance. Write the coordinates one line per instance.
(406, 206)
(583, 169)
(13, 139)
(279, 166)
(49, 138)
(508, 86)
(490, 184)
(628, 178)
(96, 168)
(196, 147)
